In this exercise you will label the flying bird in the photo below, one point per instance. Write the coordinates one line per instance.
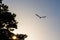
(40, 16)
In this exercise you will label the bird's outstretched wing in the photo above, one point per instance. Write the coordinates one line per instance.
(43, 17)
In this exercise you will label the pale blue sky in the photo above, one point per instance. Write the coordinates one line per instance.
(37, 29)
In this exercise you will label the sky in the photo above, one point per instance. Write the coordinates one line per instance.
(28, 23)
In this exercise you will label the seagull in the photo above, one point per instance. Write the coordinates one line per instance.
(40, 16)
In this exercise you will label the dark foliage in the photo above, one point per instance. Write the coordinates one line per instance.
(7, 21)
(7, 18)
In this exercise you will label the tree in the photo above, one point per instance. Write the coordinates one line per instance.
(7, 19)
(7, 23)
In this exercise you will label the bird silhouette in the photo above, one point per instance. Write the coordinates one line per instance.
(40, 16)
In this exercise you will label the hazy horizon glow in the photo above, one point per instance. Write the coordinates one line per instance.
(37, 29)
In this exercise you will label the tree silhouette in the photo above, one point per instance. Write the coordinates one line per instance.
(8, 23)
(7, 19)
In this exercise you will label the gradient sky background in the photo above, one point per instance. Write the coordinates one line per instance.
(28, 23)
